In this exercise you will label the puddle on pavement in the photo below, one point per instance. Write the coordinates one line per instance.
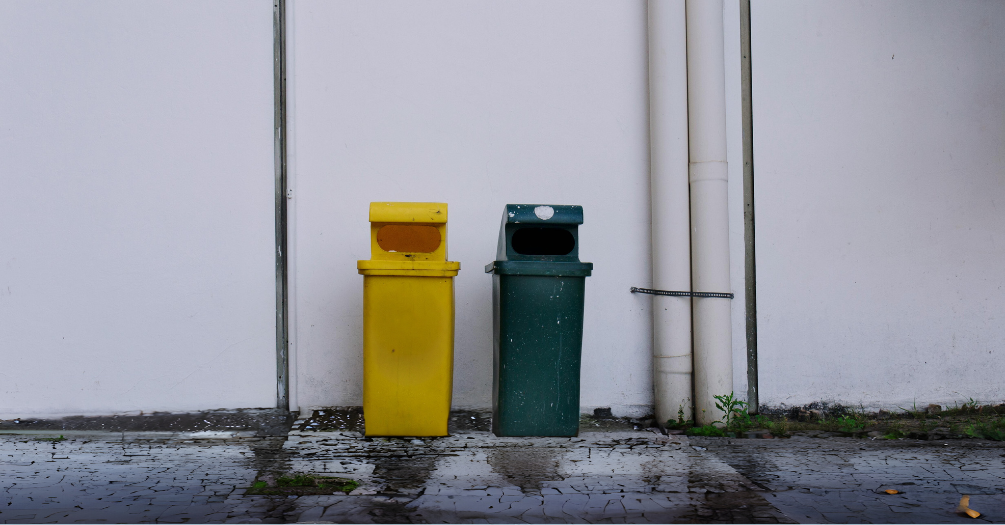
(526, 467)
(269, 456)
(408, 479)
(404, 475)
(431, 480)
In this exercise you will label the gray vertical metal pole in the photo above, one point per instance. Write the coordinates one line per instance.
(279, 150)
(748, 206)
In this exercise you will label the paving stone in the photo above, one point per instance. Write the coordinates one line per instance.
(614, 508)
(311, 514)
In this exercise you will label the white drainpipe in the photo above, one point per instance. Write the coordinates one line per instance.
(713, 362)
(668, 129)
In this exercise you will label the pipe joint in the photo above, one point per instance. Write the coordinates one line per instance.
(707, 171)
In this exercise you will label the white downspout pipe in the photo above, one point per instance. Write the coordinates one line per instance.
(713, 362)
(671, 241)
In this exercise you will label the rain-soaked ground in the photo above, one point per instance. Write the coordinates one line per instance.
(614, 472)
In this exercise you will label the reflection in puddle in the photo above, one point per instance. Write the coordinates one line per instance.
(403, 474)
(269, 457)
(600, 476)
(526, 467)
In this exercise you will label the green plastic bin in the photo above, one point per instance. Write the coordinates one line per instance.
(538, 289)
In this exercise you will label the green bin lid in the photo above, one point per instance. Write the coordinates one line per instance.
(543, 214)
(540, 239)
(550, 268)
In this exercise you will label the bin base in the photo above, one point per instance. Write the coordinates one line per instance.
(408, 354)
(538, 346)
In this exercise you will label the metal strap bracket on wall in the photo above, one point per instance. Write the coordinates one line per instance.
(681, 294)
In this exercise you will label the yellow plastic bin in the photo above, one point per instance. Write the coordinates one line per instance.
(408, 320)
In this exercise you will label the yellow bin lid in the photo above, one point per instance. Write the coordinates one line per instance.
(416, 268)
(408, 238)
(405, 212)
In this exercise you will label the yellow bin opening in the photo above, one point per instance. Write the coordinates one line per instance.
(408, 320)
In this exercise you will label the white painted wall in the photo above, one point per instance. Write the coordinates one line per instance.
(879, 148)
(136, 252)
(476, 105)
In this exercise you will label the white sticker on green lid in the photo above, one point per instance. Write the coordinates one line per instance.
(544, 212)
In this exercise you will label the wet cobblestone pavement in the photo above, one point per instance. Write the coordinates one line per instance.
(843, 480)
(473, 477)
